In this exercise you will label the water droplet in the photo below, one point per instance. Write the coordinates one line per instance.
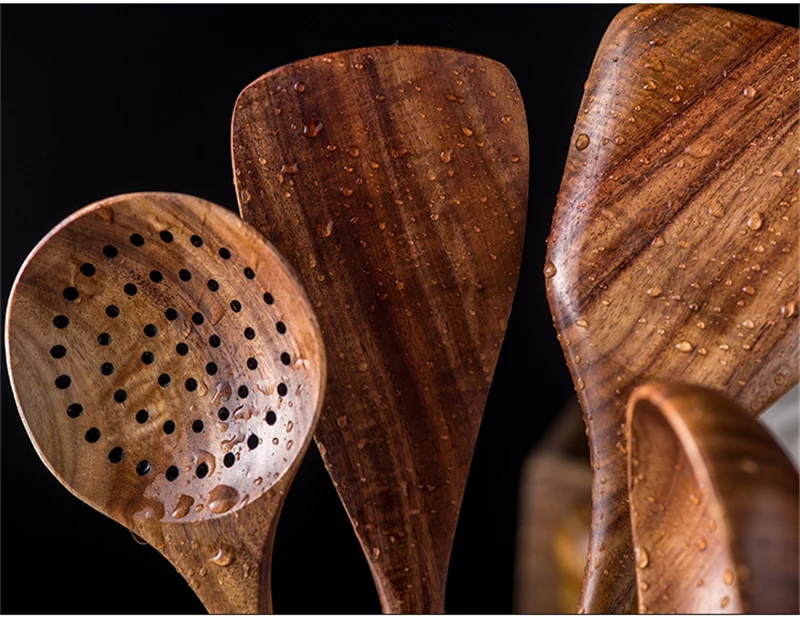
(684, 347)
(749, 324)
(657, 242)
(514, 159)
(654, 63)
(749, 289)
(362, 366)
(324, 228)
(397, 152)
(582, 323)
(702, 544)
(223, 556)
(353, 151)
(222, 499)
(299, 87)
(716, 210)
(750, 91)
(675, 99)
(346, 191)
(185, 503)
(380, 97)
(550, 269)
(312, 128)
(642, 558)
(650, 85)
(582, 141)
(467, 131)
(724, 602)
(789, 310)
(619, 140)
(654, 292)
(728, 577)
(446, 156)
(505, 119)
(581, 384)
(755, 221)
(138, 539)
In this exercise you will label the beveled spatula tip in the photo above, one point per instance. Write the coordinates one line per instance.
(395, 179)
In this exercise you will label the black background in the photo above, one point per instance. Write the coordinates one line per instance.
(101, 100)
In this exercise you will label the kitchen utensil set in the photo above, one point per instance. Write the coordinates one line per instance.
(170, 366)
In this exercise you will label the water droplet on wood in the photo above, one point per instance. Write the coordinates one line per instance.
(582, 141)
(312, 128)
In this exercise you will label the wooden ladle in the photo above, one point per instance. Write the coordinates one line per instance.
(714, 506)
(169, 370)
(395, 179)
(673, 253)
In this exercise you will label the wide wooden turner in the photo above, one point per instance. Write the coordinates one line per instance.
(169, 371)
(395, 180)
(673, 253)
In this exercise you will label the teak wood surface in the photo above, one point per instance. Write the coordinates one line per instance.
(673, 250)
(190, 442)
(714, 506)
(395, 180)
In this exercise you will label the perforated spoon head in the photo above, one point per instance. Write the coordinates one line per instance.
(169, 371)
(395, 179)
(673, 252)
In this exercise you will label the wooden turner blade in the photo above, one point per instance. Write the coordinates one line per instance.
(673, 250)
(170, 371)
(714, 506)
(395, 179)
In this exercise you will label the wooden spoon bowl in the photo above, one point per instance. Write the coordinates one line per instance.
(169, 371)
(714, 506)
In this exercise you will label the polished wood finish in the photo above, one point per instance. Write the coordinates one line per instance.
(673, 250)
(395, 181)
(714, 506)
(119, 380)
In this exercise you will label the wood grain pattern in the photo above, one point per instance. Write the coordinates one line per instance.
(169, 370)
(395, 180)
(714, 506)
(673, 250)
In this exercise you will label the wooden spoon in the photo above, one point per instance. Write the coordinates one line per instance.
(714, 506)
(395, 180)
(169, 371)
(673, 250)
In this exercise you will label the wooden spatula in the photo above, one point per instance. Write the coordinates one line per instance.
(395, 180)
(169, 370)
(714, 506)
(673, 251)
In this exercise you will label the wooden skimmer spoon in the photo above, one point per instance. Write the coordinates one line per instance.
(673, 251)
(169, 370)
(714, 506)
(395, 180)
